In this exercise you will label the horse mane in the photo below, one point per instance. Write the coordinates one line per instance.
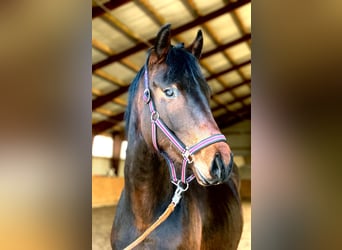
(183, 68)
(131, 94)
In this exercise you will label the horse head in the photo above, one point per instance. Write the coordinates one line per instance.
(181, 97)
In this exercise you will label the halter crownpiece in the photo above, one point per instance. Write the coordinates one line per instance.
(186, 152)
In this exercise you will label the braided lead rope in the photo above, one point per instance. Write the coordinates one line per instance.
(149, 230)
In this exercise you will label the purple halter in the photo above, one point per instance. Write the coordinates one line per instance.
(185, 151)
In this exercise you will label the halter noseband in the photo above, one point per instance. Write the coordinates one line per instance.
(185, 151)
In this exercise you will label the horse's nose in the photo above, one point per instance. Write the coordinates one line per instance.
(218, 170)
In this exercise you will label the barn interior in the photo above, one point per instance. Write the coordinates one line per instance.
(122, 31)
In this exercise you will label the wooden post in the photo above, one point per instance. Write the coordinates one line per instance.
(117, 140)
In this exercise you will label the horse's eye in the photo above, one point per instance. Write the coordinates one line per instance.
(169, 92)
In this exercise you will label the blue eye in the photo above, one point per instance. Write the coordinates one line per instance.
(170, 92)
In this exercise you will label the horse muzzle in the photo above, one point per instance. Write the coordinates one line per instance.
(216, 173)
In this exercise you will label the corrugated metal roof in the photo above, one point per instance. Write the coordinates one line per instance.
(122, 31)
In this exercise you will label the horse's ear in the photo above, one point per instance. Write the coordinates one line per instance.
(162, 43)
(196, 47)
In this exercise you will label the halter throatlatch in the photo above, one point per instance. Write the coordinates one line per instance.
(186, 152)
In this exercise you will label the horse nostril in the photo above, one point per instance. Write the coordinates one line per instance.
(217, 167)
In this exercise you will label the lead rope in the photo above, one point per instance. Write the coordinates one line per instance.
(175, 200)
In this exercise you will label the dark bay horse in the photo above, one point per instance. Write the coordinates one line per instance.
(175, 144)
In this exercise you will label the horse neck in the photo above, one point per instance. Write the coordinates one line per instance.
(147, 181)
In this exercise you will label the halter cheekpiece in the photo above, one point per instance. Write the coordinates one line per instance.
(186, 152)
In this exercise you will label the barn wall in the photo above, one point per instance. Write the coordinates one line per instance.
(106, 190)
(100, 166)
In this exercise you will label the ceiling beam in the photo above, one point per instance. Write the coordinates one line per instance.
(198, 21)
(99, 101)
(101, 126)
(222, 47)
(98, 11)
(124, 29)
(235, 67)
(110, 78)
(248, 81)
(105, 49)
(226, 120)
(202, 19)
(232, 121)
(150, 11)
(229, 113)
(237, 99)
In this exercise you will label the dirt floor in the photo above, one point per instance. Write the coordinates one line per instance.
(102, 219)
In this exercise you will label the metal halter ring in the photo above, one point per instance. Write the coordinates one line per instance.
(154, 116)
(180, 187)
(188, 156)
(147, 96)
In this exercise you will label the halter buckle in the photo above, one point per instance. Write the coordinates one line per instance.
(147, 95)
(188, 156)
